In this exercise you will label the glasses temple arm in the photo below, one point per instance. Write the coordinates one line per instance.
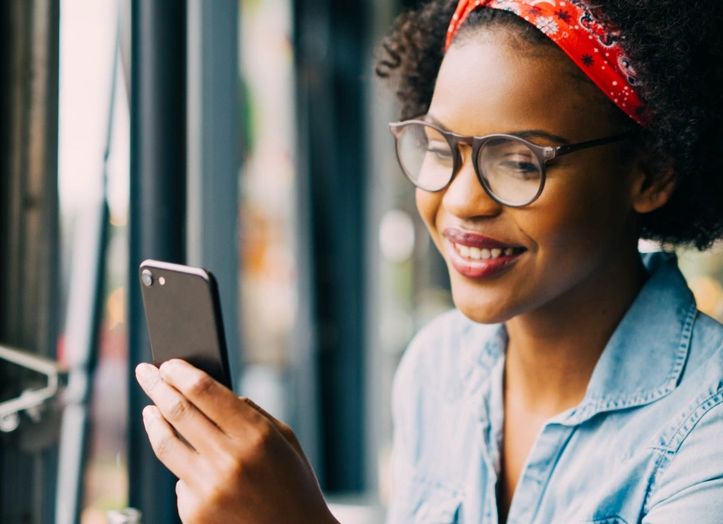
(569, 148)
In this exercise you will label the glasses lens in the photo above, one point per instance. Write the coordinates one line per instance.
(511, 170)
(425, 156)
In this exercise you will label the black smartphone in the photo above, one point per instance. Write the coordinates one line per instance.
(183, 316)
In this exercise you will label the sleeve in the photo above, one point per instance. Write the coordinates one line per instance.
(689, 487)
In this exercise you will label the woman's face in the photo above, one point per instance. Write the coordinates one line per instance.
(580, 227)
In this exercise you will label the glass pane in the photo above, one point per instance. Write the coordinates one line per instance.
(268, 210)
(92, 104)
(511, 169)
(425, 155)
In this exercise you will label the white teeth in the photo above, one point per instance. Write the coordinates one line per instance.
(475, 253)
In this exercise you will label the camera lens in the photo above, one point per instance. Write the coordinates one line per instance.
(147, 277)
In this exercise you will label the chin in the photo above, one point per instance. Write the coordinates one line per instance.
(481, 305)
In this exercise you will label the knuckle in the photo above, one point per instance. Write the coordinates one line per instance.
(260, 437)
(214, 495)
(162, 446)
(201, 385)
(177, 408)
(231, 470)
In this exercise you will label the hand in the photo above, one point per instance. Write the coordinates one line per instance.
(235, 462)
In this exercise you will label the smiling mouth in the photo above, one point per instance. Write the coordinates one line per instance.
(477, 256)
(473, 253)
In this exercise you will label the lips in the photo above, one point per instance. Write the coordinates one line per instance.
(477, 256)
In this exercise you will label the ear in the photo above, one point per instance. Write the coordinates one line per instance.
(653, 183)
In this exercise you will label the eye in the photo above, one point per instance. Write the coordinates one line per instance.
(521, 167)
(440, 150)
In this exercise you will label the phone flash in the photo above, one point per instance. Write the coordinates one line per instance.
(162, 281)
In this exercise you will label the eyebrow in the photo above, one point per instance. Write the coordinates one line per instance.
(526, 133)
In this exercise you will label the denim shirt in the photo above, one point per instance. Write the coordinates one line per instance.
(644, 445)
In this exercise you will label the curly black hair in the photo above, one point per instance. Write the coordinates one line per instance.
(677, 49)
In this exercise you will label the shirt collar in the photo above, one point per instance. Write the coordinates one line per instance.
(641, 362)
(644, 358)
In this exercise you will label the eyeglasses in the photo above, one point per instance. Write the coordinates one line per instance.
(510, 169)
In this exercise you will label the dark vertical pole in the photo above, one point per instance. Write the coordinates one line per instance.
(330, 62)
(29, 270)
(157, 210)
(214, 154)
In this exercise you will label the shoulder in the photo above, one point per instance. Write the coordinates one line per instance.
(700, 390)
(688, 479)
(696, 404)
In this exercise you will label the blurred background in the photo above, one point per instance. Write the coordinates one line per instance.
(245, 136)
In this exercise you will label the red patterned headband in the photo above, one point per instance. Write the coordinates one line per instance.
(593, 46)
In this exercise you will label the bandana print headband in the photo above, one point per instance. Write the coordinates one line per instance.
(593, 46)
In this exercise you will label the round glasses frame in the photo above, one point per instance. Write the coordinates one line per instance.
(544, 154)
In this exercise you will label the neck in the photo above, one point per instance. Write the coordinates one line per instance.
(552, 351)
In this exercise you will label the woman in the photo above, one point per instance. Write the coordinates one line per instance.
(575, 381)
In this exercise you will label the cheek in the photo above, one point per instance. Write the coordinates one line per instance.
(559, 219)
(428, 206)
(583, 213)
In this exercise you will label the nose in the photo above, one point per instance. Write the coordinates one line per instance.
(465, 197)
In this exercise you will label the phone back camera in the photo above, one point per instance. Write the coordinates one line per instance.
(147, 277)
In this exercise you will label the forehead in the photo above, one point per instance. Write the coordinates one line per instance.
(492, 82)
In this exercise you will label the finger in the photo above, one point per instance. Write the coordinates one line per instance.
(187, 503)
(181, 460)
(216, 401)
(198, 430)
